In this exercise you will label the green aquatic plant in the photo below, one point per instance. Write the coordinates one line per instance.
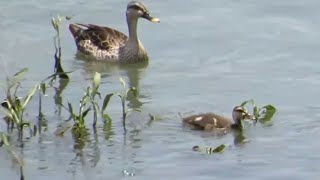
(5, 142)
(14, 106)
(209, 150)
(56, 23)
(262, 114)
(84, 108)
(42, 89)
(123, 97)
(58, 70)
(93, 93)
(87, 103)
(17, 157)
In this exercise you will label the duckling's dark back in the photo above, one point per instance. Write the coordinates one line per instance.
(201, 121)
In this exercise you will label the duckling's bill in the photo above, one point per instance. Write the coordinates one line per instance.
(250, 117)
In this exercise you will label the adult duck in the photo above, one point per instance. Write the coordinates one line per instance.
(107, 44)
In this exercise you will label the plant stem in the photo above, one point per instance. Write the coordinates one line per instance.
(123, 114)
(40, 115)
(21, 173)
(95, 117)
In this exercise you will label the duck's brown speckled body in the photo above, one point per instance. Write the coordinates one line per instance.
(107, 44)
(211, 121)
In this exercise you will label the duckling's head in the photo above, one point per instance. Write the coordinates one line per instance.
(240, 113)
(136, 9)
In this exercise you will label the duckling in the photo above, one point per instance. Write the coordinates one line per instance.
(211, 121)
(106, 44)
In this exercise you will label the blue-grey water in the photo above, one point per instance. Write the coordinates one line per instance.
(205, 56)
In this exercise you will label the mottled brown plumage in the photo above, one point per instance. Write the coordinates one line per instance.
(103, 37)
(107, 44)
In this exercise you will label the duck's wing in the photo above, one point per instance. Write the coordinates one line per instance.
(199, 121)
(103, 38)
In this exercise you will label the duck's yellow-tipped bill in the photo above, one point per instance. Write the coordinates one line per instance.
(155, 20)
(150, 18)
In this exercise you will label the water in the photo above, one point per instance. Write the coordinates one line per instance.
(206, 56)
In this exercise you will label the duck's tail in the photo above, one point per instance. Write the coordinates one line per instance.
(75, 30)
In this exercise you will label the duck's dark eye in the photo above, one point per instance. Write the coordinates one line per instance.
(136, 7)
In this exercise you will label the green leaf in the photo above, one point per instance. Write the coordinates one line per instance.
(70, 108)
(248, 101)
(29, 96)
(219, 149)
(106, 101)
(5, 139)
(43, 88)
(17, 77)
(255, 108)
(7, 112)
(95, 106)
(268, 112)
(99, 94)
(85, 99)
(84, 114)
(256, 112)
(106, 118)
(21, 73)
(96, 81)
(122, 82)
(120, 95)
(87, 91)
(68, 17)
(55, 75)
(53, 22)
(134, 91)
(209, 150)
(26, 124)
(17, 156)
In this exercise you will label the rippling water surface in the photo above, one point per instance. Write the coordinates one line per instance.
(205, 56)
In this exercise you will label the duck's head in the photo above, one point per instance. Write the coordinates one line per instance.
(240, 113)
(136, 9)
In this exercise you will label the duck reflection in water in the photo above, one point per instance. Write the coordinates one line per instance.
(132, 72)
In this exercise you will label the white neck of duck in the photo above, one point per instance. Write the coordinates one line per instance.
(132, 25)
(133, 45)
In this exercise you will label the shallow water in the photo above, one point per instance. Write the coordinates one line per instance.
(205, 56)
